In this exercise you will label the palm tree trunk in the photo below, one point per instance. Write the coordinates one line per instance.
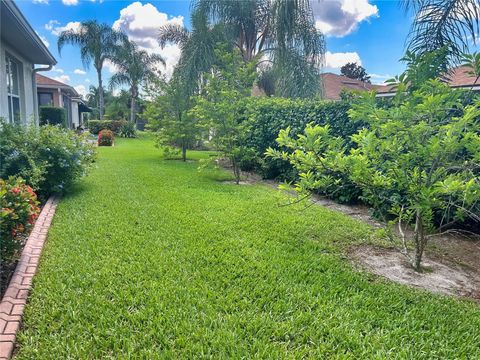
(101, 104)
(132, 109)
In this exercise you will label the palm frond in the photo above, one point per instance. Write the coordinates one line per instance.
(173, 33)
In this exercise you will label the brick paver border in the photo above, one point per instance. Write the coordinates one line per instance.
(15, 297)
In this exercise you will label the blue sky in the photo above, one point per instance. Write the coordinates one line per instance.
(370, 32)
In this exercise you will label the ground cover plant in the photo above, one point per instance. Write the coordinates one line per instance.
(151, 259)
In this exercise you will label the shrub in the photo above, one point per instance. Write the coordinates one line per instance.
(105, 138)
(127, 130)
(95, 126)
(267, 116)
(53, 115)
(49, 158)
(416, 159)
(18, 211)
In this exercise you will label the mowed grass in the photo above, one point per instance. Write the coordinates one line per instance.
(151, 259)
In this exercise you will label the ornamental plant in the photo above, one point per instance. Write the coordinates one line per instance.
(105, 138)
(18, 211)
(49, 158)
(417, 162)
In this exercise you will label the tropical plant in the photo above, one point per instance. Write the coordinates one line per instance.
(127, 130)
(472, 61)
(53, 115)
(354, 71)
(279, 36)
(135, 67)
(97, 43)
(443, 23)
(197, 49)
(417, 161)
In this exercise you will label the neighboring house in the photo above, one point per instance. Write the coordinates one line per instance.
(51, 92)
(334, 85)
(20, 49)
(457, 78)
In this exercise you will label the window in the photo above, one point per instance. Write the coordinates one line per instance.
(45, 99)
(13, 90)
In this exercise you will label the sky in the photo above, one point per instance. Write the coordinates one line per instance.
(371, 33)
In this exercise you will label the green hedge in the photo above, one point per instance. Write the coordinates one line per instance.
(95, 126)
(268, 115)
(53, 115)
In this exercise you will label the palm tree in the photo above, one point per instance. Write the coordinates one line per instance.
(197, 49)
(135, 66)
(279, 35)
(97, 43)
(443, 23)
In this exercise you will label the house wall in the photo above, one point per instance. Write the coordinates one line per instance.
(27, 99)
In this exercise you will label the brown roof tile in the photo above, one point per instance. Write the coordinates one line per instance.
(43, 80)
(333, 85)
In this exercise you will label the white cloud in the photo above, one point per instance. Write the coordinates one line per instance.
(58, 70)
(55, 29)
(45, 2)
(44, 39)
(79, 72)
(81, 89)
(112, 68)
(337, 60)
(70, 2)
(379, 79)
(87, 81)
(341, 17)
(141, 24)
(62, 78)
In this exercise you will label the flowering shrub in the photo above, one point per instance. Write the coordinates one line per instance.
(49, 158)
(18, 211)
(105, 138)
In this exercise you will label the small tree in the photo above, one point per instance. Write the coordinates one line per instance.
(217, 109)
(354, 71)
(416, 161)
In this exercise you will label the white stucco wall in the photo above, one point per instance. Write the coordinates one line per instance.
(27, 98)
(75, 117)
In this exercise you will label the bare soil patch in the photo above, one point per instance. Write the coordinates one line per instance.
(444, 277)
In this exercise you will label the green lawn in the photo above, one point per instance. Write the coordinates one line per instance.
(151, 259)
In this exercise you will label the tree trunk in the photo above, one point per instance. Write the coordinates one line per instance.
(420, 241)
(132, 109)
(236, 171)
(184, 152)
(101, 103)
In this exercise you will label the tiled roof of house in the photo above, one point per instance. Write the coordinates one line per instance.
(333, 85)
(460, 77)
(44, 81)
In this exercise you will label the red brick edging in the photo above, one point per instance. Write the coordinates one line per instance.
(15, 298)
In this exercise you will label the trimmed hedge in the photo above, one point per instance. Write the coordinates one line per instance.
(95, 126)
(53, 115)
(268, 115)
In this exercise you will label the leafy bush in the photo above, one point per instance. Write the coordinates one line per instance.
(417, 159)
(267, 116)
(49, 158)
(53, 115)
(105, 138)
(18, 211)
(128, 130)
(95, 126)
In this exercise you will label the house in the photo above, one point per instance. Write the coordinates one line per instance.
(51, 92)
(334, 85)
(20, 50)
(458, 78)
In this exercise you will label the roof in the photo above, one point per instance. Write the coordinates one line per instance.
(460, 77)
(16, 31)
(333, 84)
(46, 82)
